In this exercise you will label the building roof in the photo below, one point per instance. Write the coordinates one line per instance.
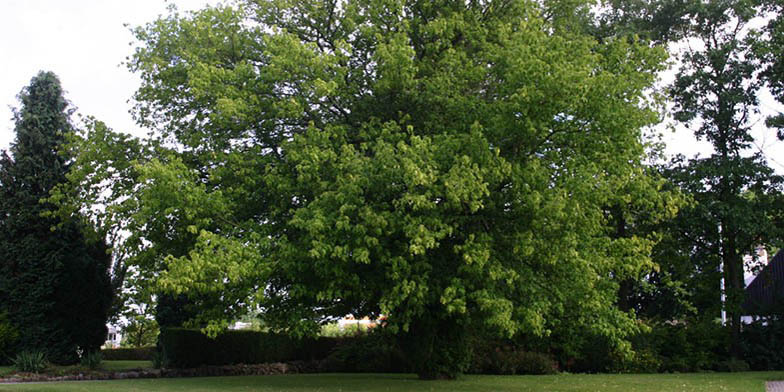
(767, 289)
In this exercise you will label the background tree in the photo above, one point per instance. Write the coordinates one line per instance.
(736, 193)
(769, 50)
(54, 284)
(139, 327)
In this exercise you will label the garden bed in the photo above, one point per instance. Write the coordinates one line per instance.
(82, 374)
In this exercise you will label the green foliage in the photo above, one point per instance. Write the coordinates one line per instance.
(684, 347)
(372, 352)
(769, 51)
(91, 360)
(510, 361)
(761, 342)
(733, 365)
(191, 348)
(160, 360)
(8, 339)
(54, 282)
(30, 361)
(438, 349)
(642, 361)
(128, 354)
(333, 330)
(451, 165)
(738, 199)
(140, 331)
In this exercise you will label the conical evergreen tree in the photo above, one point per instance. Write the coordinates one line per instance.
(54, 285)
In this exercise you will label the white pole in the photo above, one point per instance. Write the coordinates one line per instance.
(723, 294)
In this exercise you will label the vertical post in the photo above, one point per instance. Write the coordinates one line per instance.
(721, 284)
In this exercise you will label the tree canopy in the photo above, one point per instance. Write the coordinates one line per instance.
(460, 167)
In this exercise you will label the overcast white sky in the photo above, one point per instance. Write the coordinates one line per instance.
(84, 42)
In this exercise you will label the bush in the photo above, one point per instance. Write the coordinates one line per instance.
(761, 342)
(438, 348)
(8, 339)
(190, 348)
(159, 360)
(372, 352)
(509, 360)
(128, 354)
(733, 365)
(333, 330)
(683, 347)
(91, 359)
(642, 361)
(30, 361)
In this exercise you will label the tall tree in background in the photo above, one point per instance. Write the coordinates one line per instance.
(54, 285)
(771, 51)
(735, 192)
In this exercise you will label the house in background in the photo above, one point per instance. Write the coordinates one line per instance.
(113, 337)
(765, 294)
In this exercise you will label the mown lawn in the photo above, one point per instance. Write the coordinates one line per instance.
(751, 381)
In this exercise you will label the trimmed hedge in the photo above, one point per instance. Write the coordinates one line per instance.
(186, 348)
(128, 354)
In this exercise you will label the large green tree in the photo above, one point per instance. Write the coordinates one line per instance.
(54, 285)
(738, 203)
(452, 165)
(771, 53)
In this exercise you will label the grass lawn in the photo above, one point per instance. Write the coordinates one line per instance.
(751, 381)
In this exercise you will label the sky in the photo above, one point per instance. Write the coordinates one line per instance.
(85, 42)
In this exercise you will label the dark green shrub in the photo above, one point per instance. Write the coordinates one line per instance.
(159, 360)
(761, 343)
(642, 361)
(733, 365)
(8, 339)
(593, 354)
(30, 361)
(91, 359)
(128, 354)
(372, 352)
(438, 348)
(318, 348)
(684, 347)
(190, 348)
(491, 358)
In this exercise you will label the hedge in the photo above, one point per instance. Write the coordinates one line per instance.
(186, 348)
(128, 354)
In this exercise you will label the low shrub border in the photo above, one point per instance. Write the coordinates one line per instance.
(293, 367)
(128, 354)
(187, 348)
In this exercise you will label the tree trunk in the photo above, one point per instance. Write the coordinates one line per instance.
(734, 285)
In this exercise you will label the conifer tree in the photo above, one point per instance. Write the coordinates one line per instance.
(54, 285)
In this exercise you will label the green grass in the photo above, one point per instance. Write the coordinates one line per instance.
(751, 381)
